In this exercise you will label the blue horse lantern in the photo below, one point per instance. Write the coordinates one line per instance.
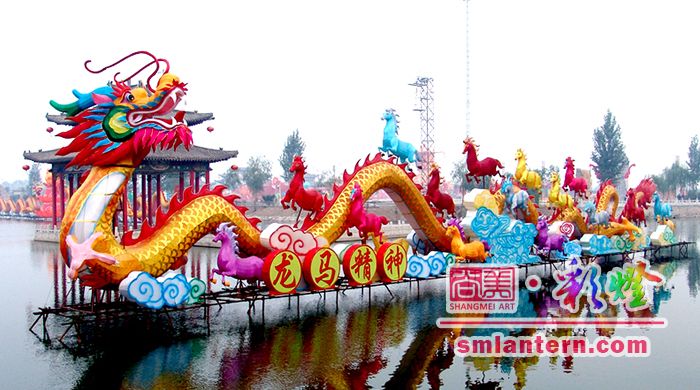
(662, 210)
(515, 200)
(391, 143)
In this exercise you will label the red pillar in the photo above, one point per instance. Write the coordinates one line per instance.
(143, 199)
(158, 191)
(54, 219)
(125, 205)
(134, 208)
(149, 193)
(62, 195)
(181, 188)
(71, 189)
(206, 177)
(192, 181)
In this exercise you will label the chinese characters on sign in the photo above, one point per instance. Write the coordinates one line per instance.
(392, 262)
(282, 272)
(321, 268)
(359, 264)
(479, 289)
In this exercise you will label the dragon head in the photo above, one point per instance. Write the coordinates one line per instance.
(121, 123)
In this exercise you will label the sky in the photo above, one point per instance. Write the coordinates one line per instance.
(542, 74)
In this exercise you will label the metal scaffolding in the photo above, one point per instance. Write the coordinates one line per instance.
(424, 94)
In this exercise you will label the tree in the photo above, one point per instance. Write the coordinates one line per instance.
(459, 177)
(608, 150)
(257, 173)
(293, 147)
(694, 161)
(674, 179)
(231, 179)
(34, 179)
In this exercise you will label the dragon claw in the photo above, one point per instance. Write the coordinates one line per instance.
(82, 252)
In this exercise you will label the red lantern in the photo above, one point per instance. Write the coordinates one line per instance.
(234, 167)
(25, 167)
(49, 130)
(210, 129)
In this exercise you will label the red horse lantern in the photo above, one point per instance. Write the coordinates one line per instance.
(479, 168)
(309, 200)
(439, 200)
(578, 185)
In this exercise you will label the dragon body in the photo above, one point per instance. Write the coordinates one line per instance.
(373, 175)
(607, 193)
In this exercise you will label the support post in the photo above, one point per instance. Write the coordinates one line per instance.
(134, 207)
(143, 199)
(149, 193)
(54, 218)
(181, 187)
(62, 195)
(125, 206)
(158, 191)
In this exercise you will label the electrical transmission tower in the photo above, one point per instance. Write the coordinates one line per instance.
(468, 118)
(424, 93)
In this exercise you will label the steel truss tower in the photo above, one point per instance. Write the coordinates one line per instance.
(424, 94)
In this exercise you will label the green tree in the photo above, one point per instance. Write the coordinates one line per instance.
(33, 179)
(231, 179)
(673, 179)
(608, 150)
(694, 161)
(257, 173)
(293, 147)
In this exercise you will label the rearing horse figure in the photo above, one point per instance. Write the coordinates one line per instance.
(230, 263)
(391, 142)
(530, 179)
(369, 225)
(440, 201)
(479, 168)
(309, 200)
(578, 185)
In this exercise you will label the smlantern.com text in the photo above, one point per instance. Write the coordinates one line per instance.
(539, 345)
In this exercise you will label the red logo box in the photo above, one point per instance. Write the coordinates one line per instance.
(482, 289)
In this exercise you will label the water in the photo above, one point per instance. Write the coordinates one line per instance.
(393, 343)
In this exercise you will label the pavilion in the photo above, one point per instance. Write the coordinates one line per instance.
(192, 164)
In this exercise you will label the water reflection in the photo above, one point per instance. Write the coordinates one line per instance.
(390, 344)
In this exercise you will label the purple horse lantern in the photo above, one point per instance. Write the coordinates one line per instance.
(545, 240)
(230, 263)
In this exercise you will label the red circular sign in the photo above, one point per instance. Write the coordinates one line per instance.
(392, 262)
(359, 264)
(321, 268)
(282, 272)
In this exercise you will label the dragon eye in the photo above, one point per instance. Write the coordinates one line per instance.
(128, 96)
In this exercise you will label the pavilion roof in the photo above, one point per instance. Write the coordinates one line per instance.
(194, 154)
